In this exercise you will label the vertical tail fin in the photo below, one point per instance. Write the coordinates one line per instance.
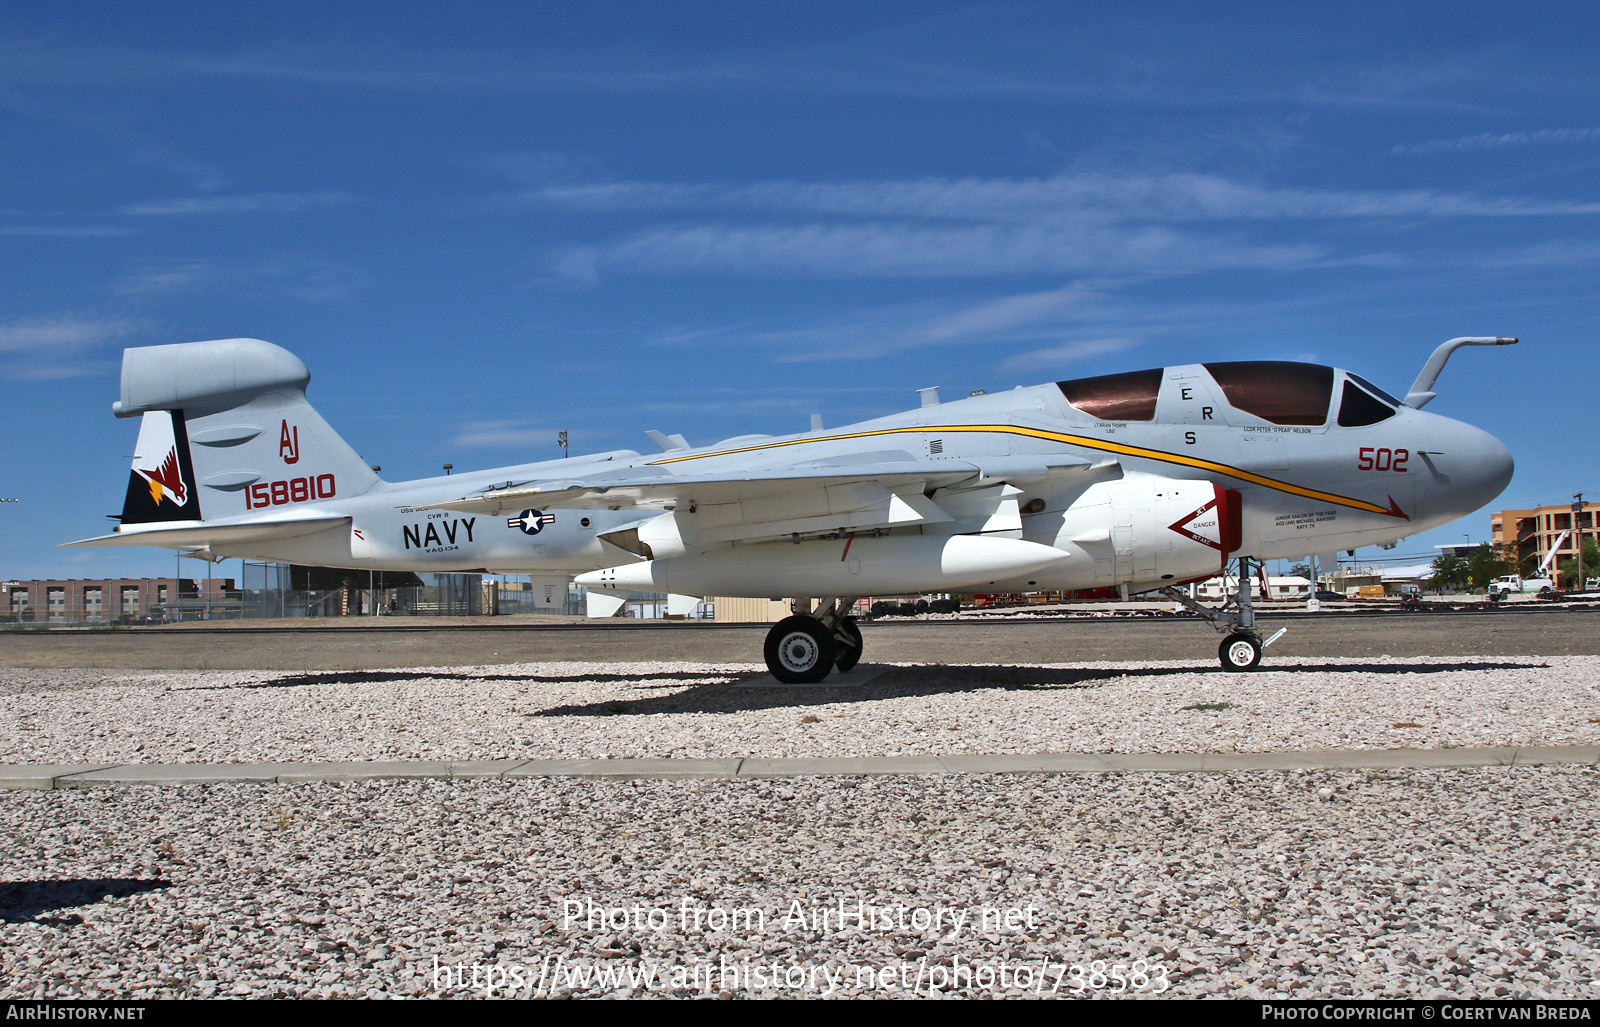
(227, 426)
(161, 483)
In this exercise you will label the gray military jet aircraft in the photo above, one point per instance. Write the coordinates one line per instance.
(1143, 480)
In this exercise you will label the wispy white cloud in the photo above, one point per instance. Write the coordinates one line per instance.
(249, 203)
(500, 434)
(66, 231)
(536, 441)
(53, 335)
(307, 64)
(1001, 323)
(1002, 315)
(131, 146)
(1059, 359)
(1078, 223)
(1551, 253)
(898, 250)
(46, 348)
(310, 278)
(1079, 198)
(58, 370)
(1501, 140)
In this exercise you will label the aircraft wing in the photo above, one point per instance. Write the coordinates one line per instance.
(654, 487)
(200, 534)
(749, 504)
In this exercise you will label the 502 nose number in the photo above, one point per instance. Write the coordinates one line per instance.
(1370, 459)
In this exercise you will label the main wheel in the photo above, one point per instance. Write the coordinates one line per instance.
(1239, 651)
(847, 654)
(799, 651)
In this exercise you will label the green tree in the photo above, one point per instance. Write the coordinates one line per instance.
(1449, 572)
(1485, 563)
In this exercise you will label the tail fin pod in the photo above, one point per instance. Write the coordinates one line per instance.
(234, 413)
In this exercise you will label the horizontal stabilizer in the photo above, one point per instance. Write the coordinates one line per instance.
(200, 534)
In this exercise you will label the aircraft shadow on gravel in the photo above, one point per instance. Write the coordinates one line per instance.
(362, 677)
(967, 679)
(22, 902)
(898, 682)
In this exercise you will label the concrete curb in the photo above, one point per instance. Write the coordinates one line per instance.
(44, 776)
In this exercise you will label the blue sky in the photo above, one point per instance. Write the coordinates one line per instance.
(480, 224)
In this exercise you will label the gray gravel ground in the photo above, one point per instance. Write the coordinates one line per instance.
(562, 710)
(1470, 882)
(1424, 883)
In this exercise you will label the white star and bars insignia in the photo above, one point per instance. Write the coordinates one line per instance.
(530, 521)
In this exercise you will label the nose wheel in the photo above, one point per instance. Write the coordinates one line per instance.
(1240, 651)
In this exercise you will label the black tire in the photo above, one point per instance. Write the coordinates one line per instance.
(799, 651)
(847, 655)
(1240, 652)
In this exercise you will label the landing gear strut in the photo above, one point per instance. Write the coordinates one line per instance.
(802, 649)
(1236, 619)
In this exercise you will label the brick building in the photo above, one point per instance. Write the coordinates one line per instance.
(1527, 535)
(105, 600)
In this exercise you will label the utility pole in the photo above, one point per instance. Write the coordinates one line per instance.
(1577, 533)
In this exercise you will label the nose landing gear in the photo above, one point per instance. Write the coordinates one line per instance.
(1242, 645)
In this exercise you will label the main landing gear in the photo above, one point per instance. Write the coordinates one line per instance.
(802, 649)
(1235, 619)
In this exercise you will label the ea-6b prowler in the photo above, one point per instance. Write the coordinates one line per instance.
(1143, 480)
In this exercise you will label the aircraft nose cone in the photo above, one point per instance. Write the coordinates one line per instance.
(1493, 468)
(1481, 468)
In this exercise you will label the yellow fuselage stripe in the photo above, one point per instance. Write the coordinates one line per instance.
(1085, 441)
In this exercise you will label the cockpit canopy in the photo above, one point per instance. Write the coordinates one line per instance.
(1129, 396)
(1364, 403)
(1276, 391)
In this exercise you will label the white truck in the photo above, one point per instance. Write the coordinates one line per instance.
(1516, 584)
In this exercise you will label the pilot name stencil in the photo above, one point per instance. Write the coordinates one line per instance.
(1304, 521)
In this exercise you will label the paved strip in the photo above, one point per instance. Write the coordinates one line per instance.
(54, 775)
